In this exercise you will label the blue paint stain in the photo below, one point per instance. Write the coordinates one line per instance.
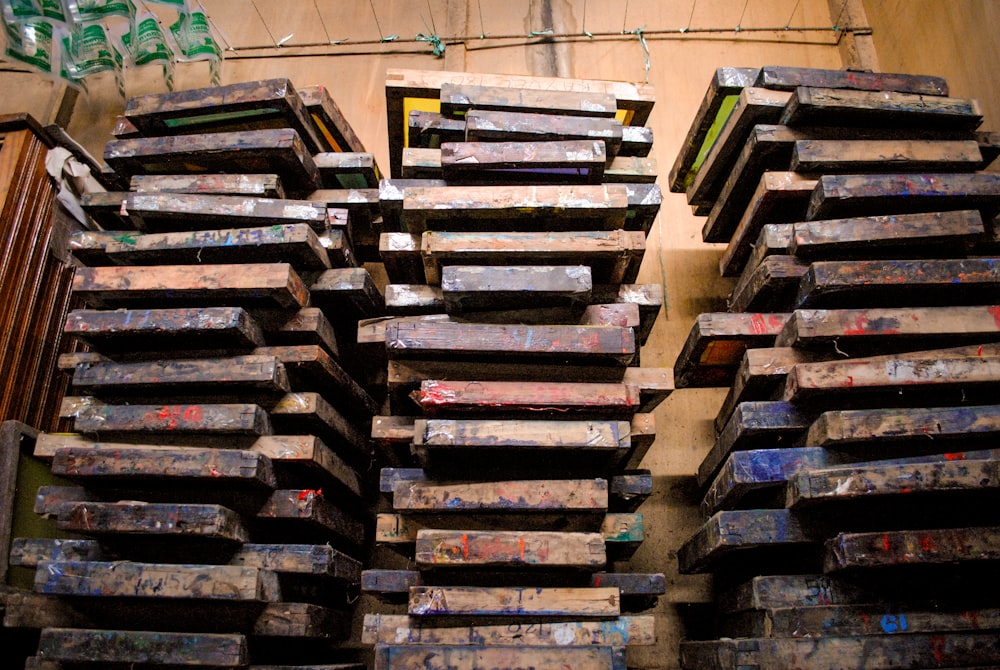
(892, 623)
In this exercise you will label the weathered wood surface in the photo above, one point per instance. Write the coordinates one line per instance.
(747, 477)
(638, 170)
(524, 496)
(207, 522)
(761, 373)
(853, 428)
(716, 344)
(408, 373)
(780, 197)
(900, 283)
(755, 425)
(577, 161)
(225, 467)
(137, 647)
(92, 416)
(312, 370)
(607, 345)
(752, 106)
(856, 331)
(28, 552)
(431, 129)
(849, 551)
(774, 239)
(328, 119)
(867, 195)
(295, 244)
(509, 549)
(475, 288)
(946, 481)
(630, 631)
(306, 622)
(491, 126)
(165, 329)
(347, 291)
(258, 185)
(446, 657)
(480, 433)
(427, 601)
(785, 78)
(460, 97)
(348, 170)
(255, 151)
(271, 284)
(320, 560)
(880, 652)
(630, 489)
(921, 234)
(725, 85)
(613, 256)
(268, 103)
(856, 620)
(511, 208)
(831, 106)
(88, 245)
(855, 156)
(250, 375)
(308, 326)
(307, 514)
(360, 210)
(644, 202)
(793, 591)
(769, 287)
(736, 535)
(401, 258)
(157, 580)
(603, 400)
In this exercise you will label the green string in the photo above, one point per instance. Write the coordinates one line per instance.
(638, 32)
(437, 46)
(541, 33)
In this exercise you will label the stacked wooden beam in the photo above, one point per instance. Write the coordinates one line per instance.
(215, 488)
(518, 413)
(854, 458)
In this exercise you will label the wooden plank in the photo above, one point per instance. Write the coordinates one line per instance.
(644, 202)
(831, 106)
(793, 591)
(319, 560)
(761, 373)
(625, 315)
(303, 622)
(631, 631)
(749, 478)
(524, 497)
(945, 481)
(126, 579)
(755, 425)
(15, 437)
(293, 513)
(456, 97)
(401, 257)
(165, 329)
(849, 551)
(509, 549)
(636, 141)
(444, 657)
(268, 103)
(391, 193)
(280, 151)
(780, 197)
(408, 373)
(901, 283)
(309, 326)
(92, 416)
(348, 170)
(258, 185)
(635, 170)
(716, 344)
(853, 428)
(785, 78)
(250, 375)
(608, 345)
(752, 106)
(312, 370)
(513, 208)
(88, 246)
(623, 488)
(774, 239)
(343, 291)
(118, 465)
(483, 125)
(480, 433)
(435, 601)
(561, 398)
(575, 161)
(725, 85)
(431, 129)
(67, 645)
(921, 234)
(272, 284)
(730, 539)
(838, 196)
(859, 331)
(879, 651)
(360, 209)
(769, 287)
(137, 519)
(475, 288)
(328, 120)
(854, 156)
(630, 489)
(28, 552)
(295, 244)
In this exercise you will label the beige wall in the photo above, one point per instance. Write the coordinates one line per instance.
(956, 41)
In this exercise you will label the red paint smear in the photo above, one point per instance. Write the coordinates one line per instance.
(927, 543)
(937, 648)
(757, 324)
(310, 493)
(850, 380)
(885, 543)
(597, 580)
(994, 311)
(957, 456)
(521, 546)
(465, 546)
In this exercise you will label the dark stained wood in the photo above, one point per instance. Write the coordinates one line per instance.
(774, 239)
(259, 185)
(431, 129)
(406, 374)
(643, 205)
(845, 107)
(402, 259)
(137, 519)
(832, 156)
(30, 551)
(165, 329)
(304, 621)
(391, 193)
(747, 477)
(307, 513)
(308, 326)
(343, 291)
(901, 283)
(361, 209)
(444, 657)
(15, 437)
(279, 151)
(574, 161)
(629, 490)
(507, 549)
(950, 425)
(273, 284)
(434, 601)
(269, 103)
(850, 551)
(786, 591)
(463, 97)
(328, 120)
(716, 344)
(348, 170)
(769, 287)
(92, 416)
(760, 374)
(87, 246)
(67, 645)
(524, 496)
(320, 560)
(632, 170)
(491, 126)
(539, 398)
(785, 78)
(310, 413)
(475, 288)
(888, 236)
(311, 370)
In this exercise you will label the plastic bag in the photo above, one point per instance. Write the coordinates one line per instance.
(85, 11)
(88, 51)
(193, 36)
